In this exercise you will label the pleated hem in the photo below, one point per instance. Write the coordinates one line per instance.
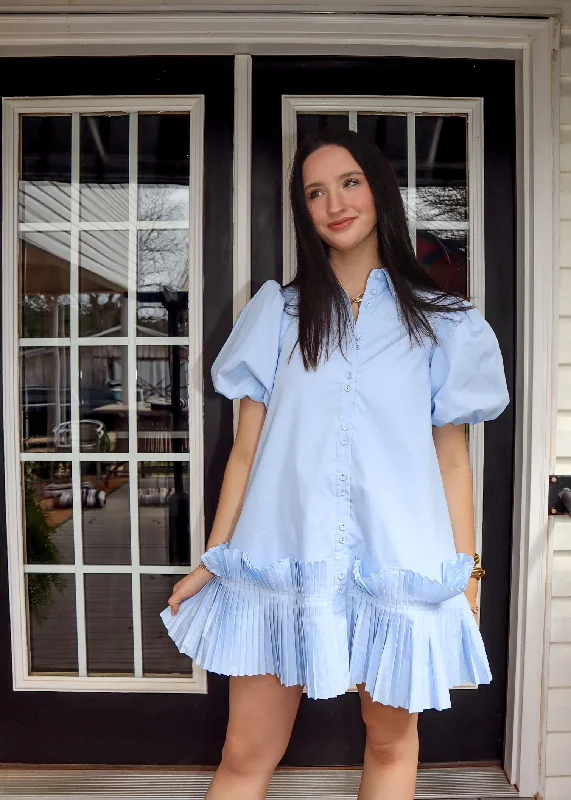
(409, 639)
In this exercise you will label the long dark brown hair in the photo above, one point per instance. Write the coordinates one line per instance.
(321, 303)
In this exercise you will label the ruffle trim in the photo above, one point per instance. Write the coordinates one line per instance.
(393, 630)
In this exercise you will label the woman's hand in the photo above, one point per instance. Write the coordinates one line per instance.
(188, 586)
(472, 596)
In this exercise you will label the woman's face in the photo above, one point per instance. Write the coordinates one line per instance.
(338, 197)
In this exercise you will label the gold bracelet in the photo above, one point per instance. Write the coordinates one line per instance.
(203, 566)
(477, 572)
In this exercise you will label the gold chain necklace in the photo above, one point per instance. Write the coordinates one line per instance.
(357, 299)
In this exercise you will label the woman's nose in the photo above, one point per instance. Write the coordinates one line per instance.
(335, 203)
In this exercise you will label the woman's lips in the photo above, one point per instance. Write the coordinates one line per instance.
(341, 224)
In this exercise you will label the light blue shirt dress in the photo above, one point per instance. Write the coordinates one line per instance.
(342, 567)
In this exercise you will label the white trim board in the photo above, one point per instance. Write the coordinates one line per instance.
(533, 43)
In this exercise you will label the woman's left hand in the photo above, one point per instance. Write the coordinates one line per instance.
(472, 596)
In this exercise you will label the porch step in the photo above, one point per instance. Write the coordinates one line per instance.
(46, 783)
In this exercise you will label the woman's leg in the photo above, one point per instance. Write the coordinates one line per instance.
(391, 751)
(262, 713)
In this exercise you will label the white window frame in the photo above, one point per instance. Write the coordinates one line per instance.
(534, 45)
(473, 110)
(13, 108)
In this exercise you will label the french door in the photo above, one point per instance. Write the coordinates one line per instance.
(118, 293)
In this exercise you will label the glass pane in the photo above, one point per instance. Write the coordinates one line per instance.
(44, 284)
(313, 123)
(162, 297)
(106, 519)
(45, 398)
(104, 168)
(48, 512)
(45, 169)
(162, 414)
(441, 168)
(103, 265)
(160, 656)
(445, 256)
(109, 624)
(104, 410)
(163, 166)
(164, 513)
(388, 132)
(52, 624)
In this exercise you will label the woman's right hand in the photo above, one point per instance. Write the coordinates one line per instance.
(188, 586)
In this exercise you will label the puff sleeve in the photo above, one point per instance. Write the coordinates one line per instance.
(246, 364)
(467, 377)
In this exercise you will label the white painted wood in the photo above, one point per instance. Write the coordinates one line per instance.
(565, 107)
(565, 340)
(563, 440)
(562, 538)
(561, 620)
(563, 466)
(558, 788)
(559, 666)
(559, 710)
(565, 279)
(565, 148)
(565, 243)
(561, 580)
(558, 749)
(564, 397)
(565, 197)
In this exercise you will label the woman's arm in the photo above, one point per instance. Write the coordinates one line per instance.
(454, 462)
(236, 474)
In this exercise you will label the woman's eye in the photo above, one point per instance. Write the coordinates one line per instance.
(353, 181)
(313, 194)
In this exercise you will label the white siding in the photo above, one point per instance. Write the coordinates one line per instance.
(558, 743)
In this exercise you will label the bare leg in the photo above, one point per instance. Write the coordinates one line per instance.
(391, 751)
(262, 713)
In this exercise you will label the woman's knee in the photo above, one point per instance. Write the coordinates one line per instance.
(392, 733)
(245, 756)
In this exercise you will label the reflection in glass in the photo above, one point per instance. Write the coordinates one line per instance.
(163, 166)
(164, 513)
(162, 297)
(160, 657)
(104, 168)
(445, 256)
(314, 123)
(388, 132)
(44, 284)
(52, 624)
(45, 169)
(162, 413)
(48, 512)
(441, 168)
(45, 398)
(106, 519)
(103, 399)
(109, 624)
(103, 265)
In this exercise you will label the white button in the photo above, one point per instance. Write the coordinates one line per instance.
(347, 388)
(373, 291)
(348, 374)
(342, 476)
(359, 336)
(358, 346)
(368, 305)
(342, 526)
(340, 575)
(340, 590)
(342, 539)
(344, 426)
(342, 492)
(344, 440)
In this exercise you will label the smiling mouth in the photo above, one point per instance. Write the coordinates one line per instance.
(341, 224)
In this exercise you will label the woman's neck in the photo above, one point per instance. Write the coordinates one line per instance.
(353, 267)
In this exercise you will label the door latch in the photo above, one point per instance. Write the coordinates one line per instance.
(559, 495)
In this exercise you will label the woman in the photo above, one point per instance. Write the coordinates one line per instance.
(342, 551)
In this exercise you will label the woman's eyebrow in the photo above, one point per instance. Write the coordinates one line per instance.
(337, 178)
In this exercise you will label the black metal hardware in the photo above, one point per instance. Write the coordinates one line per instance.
(559, 495)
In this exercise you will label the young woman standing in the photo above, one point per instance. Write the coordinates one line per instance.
(342, 551)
